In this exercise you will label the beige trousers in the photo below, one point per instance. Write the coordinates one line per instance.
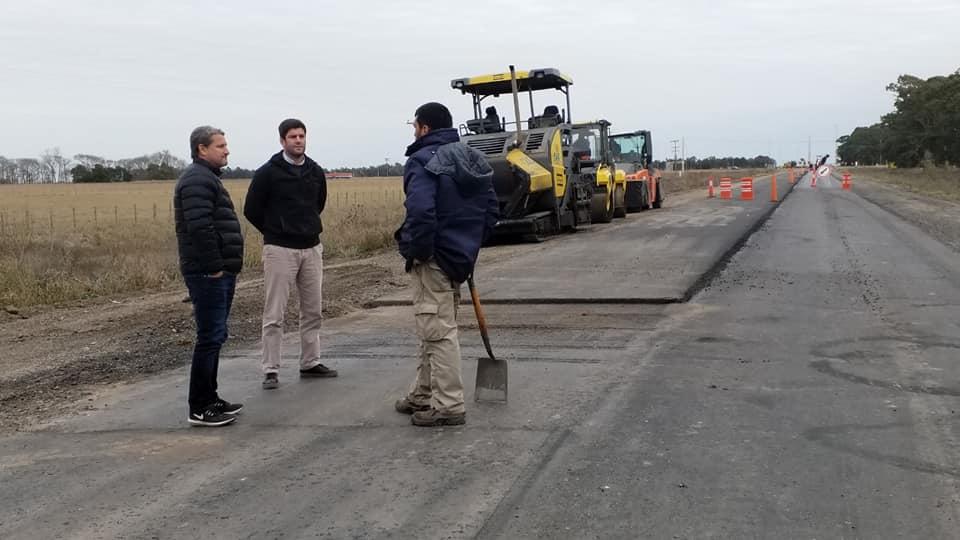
(283, 268)
(435, 301)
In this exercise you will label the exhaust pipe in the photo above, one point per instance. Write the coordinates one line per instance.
(516, 104)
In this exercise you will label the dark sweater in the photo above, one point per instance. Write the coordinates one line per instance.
(209, 238)
(284, 202)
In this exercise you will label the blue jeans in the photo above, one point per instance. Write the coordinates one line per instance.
(212, 298)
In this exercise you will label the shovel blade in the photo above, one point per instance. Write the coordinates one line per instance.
(491, 380)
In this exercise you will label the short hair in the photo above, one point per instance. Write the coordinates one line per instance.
(202, 135)
(434, 115)
(288, 124)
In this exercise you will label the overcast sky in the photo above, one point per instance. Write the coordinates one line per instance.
(739, 77)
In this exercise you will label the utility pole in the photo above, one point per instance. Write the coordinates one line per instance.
(809, 155)
(683, 156)
(674, 142)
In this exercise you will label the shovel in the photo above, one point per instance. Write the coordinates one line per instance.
(491, 373)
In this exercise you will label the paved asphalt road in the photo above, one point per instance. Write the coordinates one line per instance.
(809, 391)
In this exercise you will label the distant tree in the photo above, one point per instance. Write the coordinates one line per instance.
(237, 172)
(89, 160)
(100, 174)
(7, 171)
(28, 171)
(924, 125)
(863, 146)
(383, 169)
(56, 168)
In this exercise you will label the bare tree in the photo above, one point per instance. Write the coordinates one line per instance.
(90, 161)
(28, 171)
(165, 158)
(56, 168)
(7, 171)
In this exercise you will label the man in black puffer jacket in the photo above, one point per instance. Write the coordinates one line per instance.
(284, 202)
(210, 243)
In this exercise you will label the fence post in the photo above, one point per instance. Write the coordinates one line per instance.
(96, 223)
(134, 213)
(154, 211)
(74, 219)
(26, 216)
(51, 222)
(116, 214)
(3, 223)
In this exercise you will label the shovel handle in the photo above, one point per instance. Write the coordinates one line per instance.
(481, 320)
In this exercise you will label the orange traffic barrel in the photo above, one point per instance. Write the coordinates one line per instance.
(726, 188)
(746, 189)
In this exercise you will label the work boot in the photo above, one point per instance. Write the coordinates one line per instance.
(318, 370)
(434, 418)
(405, 406)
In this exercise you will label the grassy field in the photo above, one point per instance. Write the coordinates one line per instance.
(939, 182)
(64, 242)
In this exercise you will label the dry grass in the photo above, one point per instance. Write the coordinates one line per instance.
(939, 182)
(60, 243)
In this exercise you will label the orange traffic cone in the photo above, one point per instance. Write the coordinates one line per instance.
(710, 187)
(773, 188)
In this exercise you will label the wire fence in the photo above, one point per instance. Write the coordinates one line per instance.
(68, 218)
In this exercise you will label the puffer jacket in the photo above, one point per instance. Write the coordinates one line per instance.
(209, 238)
(451, 207)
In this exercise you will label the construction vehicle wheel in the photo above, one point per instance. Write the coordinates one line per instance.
(601, 207)
(659, 201)
(619, 202)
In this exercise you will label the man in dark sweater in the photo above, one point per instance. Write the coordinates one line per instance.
(210, 245)
(284, 202)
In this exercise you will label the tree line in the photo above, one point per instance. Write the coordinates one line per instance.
(52, 167)
(923, 127)
(712, 162)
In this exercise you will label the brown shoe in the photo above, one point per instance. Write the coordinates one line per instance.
(434, 418)
(318, 370)
(405, 406)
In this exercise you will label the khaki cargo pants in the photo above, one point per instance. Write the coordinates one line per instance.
(435, 301)
(284, 268)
